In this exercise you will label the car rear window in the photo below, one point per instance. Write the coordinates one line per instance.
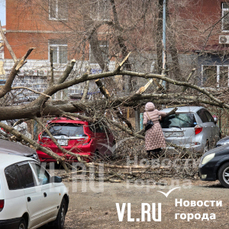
(19, 176)
(179, 120)
(12, 176)
(66, 129)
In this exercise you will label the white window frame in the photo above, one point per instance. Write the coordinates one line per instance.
(97, 16)
(217, 74)
(224, 11)
(58, 52)
(57, 11)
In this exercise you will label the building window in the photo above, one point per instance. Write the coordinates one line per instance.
(215, 76)
(225, 17)
(100, 10)
(104, 47)
(58, 10)
(60, 51)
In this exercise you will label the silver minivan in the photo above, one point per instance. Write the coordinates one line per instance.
(191, 127)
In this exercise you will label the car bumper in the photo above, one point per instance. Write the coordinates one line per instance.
(206, 173)
(187, 147)
(46, 158)
(10, 223)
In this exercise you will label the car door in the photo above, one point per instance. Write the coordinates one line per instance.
(13, 192)
(104, 139)
(100, 136)
(214, 129)
(207, 125)
(33, 198)
(50, 193)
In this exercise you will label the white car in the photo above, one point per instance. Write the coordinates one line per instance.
(191, 127)
(17, 149)
(29, 196)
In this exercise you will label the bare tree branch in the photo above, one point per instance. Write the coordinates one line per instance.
(7, 44)
(20, 136)
(67, 71)
(29, 89)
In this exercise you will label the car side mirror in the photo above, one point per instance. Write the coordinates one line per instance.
(215, 120)
(56, 179)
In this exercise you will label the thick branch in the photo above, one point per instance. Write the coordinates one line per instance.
(57, 109)
(33, 143)
(18, 64)
(67, 71)
(85, 91)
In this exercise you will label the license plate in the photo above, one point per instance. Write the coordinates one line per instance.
(62, 142)
(173, 134)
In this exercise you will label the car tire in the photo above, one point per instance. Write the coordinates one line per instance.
(22, 224)
(223, 175)
(60, 219)
(96, 156)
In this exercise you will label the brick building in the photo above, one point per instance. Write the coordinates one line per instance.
(202, 39)
(45, 25)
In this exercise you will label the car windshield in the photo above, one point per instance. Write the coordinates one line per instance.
(66, 129)
(179, 120)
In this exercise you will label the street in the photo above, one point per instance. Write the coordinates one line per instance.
(191, 204)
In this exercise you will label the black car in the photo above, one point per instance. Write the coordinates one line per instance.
(17, 149)
(214, 165)
(223, 141)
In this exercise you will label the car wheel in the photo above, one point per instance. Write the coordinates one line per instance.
(96, 156)
(223, 175)
(59, 222)
(22, 224)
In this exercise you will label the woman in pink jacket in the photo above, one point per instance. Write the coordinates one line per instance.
(154, 137)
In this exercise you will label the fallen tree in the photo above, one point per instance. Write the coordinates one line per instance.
(94, 110)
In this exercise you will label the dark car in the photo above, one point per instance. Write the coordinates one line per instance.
(223, 141)
(214, 165)
(17, 149)
(77, 136)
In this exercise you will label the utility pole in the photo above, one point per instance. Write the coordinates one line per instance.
(164, 41)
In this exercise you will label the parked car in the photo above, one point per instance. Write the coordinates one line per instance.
(223, 141)
(21, 127)
(77, 136)
(191, 127)
(29, 196)
(214, 165)
(17, 149)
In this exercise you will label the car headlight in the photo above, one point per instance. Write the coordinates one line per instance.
(207, 158)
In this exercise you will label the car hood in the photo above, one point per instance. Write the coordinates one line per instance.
(223, 141)
(221, 150)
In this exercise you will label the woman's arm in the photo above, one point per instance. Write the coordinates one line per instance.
(162, 113)
(144, 118)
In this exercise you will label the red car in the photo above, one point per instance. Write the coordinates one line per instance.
(76, 136)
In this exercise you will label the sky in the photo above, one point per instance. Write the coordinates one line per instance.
(2, 12)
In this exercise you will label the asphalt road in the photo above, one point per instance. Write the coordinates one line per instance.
(191, 204)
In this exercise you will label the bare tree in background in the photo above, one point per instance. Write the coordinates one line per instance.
(125, 26)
